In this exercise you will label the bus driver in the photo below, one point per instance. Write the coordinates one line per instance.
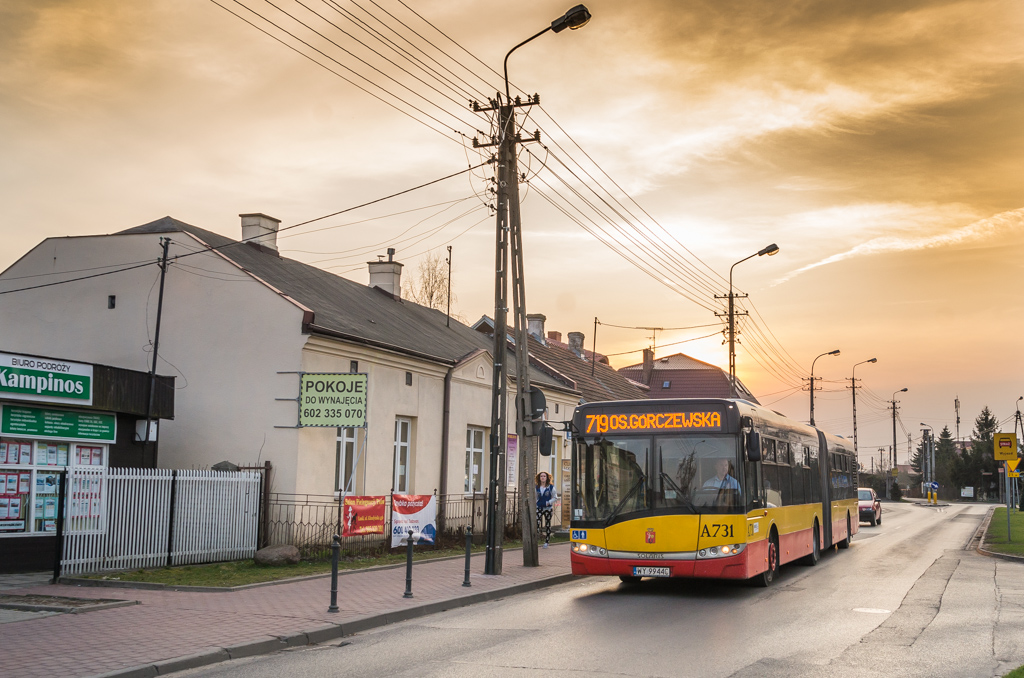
(721, 480)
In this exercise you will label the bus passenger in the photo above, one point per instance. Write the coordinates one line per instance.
(722, 480)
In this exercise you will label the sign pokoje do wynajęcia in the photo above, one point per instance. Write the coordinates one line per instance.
(334, 400)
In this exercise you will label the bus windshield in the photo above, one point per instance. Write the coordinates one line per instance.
(698, 473)
(611, 478)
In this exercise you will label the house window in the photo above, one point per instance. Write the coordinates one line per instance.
(353, 366)
(345, 473)
(474, 460)
(666, 384)
(408, 378)
(403, 454)
(556, 408)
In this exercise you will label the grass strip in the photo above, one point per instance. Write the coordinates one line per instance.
(241, 572)
(996, 539)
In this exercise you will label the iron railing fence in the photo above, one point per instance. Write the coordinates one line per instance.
(309, 521)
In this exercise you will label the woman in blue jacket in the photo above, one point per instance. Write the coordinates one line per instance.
(545, 504)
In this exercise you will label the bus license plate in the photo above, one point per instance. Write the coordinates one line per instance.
(652, 572)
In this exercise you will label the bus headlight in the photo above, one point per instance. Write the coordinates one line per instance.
(588, 549)
(721, 551)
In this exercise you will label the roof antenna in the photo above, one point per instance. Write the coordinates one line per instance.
(391, 254)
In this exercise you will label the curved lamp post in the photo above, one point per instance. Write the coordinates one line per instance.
(853, 387)
(771, 251)
(577, 17)
(835, 352)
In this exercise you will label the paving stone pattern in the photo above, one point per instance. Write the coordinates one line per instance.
(171, 624)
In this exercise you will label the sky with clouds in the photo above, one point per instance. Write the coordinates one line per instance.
(879, 143)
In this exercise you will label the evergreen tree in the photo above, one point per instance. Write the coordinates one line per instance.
(945, 451)
(917, 460)
(981, 458)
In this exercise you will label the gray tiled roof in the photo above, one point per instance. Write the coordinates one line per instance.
(348, 310)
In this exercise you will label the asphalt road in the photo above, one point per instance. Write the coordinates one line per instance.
(906, 599)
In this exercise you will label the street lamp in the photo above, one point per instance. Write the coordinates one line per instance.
(835, 352)
(771, 251)
(853, 387)
(509, 241)
(577, 17)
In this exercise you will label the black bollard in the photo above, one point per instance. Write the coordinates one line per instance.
(469, 551)
(408, 568)
(335, 551)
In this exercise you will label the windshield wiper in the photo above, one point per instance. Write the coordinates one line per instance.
(629, 495)
(683, 496)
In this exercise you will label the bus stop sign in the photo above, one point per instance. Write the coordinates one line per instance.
(1005, 445)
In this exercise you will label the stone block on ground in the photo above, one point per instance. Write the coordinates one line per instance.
(285, 554)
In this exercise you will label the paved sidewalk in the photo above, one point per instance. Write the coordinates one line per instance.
(175, 630)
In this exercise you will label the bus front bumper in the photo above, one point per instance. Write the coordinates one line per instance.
(690, 565)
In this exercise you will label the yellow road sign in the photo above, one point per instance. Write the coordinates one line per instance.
(1012, 463)
(1005, 445)
(1015, 474)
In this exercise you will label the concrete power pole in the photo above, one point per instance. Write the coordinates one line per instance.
(509, 245)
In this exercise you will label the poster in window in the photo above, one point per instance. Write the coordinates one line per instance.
(24, 483)
(26, 453)
(49, 526)
(4, 503)
(14, 510)
(95, 507)
(62, 455)
(11, 486)
(3, 454)
(37, 507)
(46, 483)
(50, 507)
(97, 456)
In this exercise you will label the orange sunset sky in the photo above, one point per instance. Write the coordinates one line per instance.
(879, 143)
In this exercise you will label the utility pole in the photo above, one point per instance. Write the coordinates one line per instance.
(853, 389)
(593, 361)
(509, 244)
(448, 313)
(164, 244)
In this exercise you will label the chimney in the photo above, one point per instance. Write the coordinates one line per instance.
(259, 229)
(576, 343)
(554, 336)
(648, 368)
(387, 275)
(535, 326)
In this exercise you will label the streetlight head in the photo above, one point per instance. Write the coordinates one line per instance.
(835, 352)
(577, 17)
(902, 390)
(873, 360)
(771, 250)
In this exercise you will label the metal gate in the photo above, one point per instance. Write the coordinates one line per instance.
(124, 518)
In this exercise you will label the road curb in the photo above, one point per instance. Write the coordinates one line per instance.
(328, 632)
(66, 609)
(156, 586)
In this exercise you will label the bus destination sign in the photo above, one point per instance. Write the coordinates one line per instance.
(653, 422)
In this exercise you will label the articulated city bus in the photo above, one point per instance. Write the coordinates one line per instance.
(705, 488)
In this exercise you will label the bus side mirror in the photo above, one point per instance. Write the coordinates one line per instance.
(753, 446)
(545, 440)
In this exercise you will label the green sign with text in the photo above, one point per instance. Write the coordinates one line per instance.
(35, 422)
(336, 400)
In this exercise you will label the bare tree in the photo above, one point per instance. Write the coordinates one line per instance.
(430, 286)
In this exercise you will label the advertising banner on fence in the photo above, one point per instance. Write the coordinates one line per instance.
(416, 512)
(363, 515)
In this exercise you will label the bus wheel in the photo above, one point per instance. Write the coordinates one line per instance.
(766, 578)
(629, 579)
(845, 544)
(814, 556)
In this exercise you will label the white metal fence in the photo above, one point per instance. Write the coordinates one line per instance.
(124, 518)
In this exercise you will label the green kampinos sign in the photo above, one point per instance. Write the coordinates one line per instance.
(336, 400)
(36, 422)
(44, 380)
